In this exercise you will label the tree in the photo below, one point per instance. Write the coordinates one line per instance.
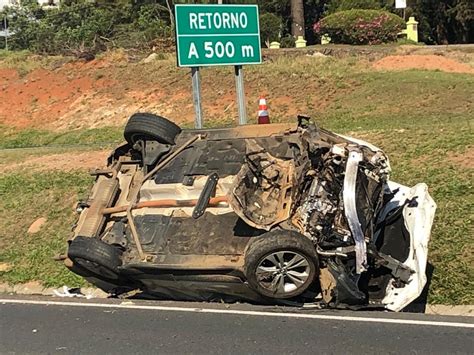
(442, 22)
(461, 19)
(297, 18)
(342, 5)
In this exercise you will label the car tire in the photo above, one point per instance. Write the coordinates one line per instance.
(96, 257)
(281, 264)
(147, 126)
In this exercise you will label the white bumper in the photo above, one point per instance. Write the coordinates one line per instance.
(418, 221)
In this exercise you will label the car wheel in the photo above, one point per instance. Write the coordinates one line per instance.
(146, 126)
(281, 264)
(95, 256)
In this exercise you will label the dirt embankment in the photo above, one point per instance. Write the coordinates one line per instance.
(422, 62)
(106, 91)
(76, 95)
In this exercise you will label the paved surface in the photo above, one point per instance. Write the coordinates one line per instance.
(54, 325)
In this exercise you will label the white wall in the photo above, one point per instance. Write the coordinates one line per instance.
(46, 2)
(4, 3)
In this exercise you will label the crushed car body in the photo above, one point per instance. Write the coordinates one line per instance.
(267, 214)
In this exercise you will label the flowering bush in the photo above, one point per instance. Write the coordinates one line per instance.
(360, 27)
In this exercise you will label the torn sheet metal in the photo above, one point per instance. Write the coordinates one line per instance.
(350, 209)
(264, 188)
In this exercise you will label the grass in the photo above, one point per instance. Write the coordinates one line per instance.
(420, 118)
(25, 62)
(30, 138)
(26, 197)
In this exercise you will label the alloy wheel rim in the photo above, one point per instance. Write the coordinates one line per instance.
(283, 272)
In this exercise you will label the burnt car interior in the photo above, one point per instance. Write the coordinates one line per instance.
(266, 214)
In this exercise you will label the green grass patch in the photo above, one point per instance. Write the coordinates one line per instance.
(40, 138)
(25, 62)
(26, 197)
(405, 99)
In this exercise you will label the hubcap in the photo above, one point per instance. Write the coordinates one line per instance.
(283, 272)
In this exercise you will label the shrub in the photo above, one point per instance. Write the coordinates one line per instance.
(287, 42)
(270, 26)
(360, 27)
(151, 23)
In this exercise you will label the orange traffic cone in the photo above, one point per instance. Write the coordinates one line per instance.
(263, 117)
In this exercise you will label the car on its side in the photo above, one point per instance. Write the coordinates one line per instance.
(260, 213)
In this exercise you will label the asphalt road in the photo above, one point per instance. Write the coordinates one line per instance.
(36, 325)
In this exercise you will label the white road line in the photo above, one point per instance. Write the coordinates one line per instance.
(240, 312)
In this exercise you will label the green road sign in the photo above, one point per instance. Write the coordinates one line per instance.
(217, 35)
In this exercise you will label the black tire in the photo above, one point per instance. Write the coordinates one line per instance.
(286, 244)
(146, 126)
(95, 256)
(104, 284)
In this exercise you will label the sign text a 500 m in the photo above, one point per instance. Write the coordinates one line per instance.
(209, 35)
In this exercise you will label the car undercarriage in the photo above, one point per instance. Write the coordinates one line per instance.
(268, 214)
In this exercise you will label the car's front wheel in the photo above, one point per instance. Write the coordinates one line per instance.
(281, 264)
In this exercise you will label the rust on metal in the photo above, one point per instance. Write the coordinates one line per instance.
(213, 202)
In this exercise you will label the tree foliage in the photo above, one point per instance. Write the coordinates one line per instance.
(82, 26)
(343, 5)
(442, 22)
(79, 27)
(270, 28)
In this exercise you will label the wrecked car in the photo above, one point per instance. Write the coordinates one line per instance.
(269, 214)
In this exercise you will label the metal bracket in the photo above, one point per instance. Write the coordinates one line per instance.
(208, 191)
(153, 151)
(399, 270)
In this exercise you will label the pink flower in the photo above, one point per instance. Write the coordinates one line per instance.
(317, 27)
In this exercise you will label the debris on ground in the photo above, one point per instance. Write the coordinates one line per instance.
(36, 225)
(317, 55)
(150, 58)
(70, 292)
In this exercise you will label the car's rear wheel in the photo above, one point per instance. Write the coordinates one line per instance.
(281, 264)
(147, 126)
(95, 256)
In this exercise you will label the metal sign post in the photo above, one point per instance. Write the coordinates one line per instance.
(196, 79)
(209, 35)
(6, 32)
(239, 88)
(401, 4)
